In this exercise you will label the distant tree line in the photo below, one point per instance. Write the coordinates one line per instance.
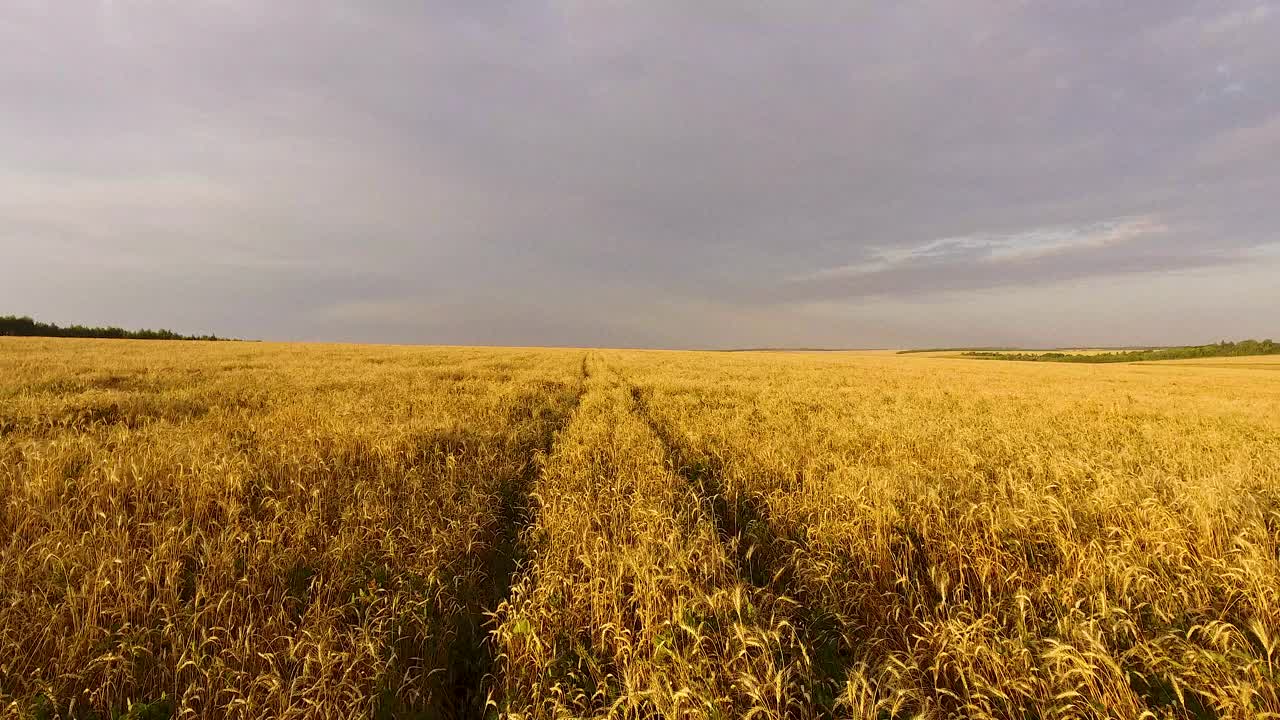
(16, 326)
(1222, 349)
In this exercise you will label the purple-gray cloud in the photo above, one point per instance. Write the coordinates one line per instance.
(634, 173)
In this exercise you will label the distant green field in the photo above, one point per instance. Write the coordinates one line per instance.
(1223, 349)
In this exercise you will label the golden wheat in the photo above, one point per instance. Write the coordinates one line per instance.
(252, 530)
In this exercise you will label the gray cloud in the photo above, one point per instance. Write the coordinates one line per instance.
(636, 173)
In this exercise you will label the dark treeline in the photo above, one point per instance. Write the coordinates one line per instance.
(13, 325)
(1222, 349)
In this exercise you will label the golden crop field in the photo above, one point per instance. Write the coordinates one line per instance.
(208, 530)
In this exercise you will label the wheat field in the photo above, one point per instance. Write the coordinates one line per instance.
(244, 530)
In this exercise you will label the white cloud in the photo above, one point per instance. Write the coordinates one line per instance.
(1239, 19)
(1005, 247)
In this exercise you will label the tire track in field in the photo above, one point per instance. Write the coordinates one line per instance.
(516, 514)
(760, 557)
(741, 521)
(462, 691)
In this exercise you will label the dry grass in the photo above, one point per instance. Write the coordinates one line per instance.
(233, 530)
(239, 530)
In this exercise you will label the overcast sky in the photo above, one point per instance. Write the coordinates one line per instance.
(657, 173)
